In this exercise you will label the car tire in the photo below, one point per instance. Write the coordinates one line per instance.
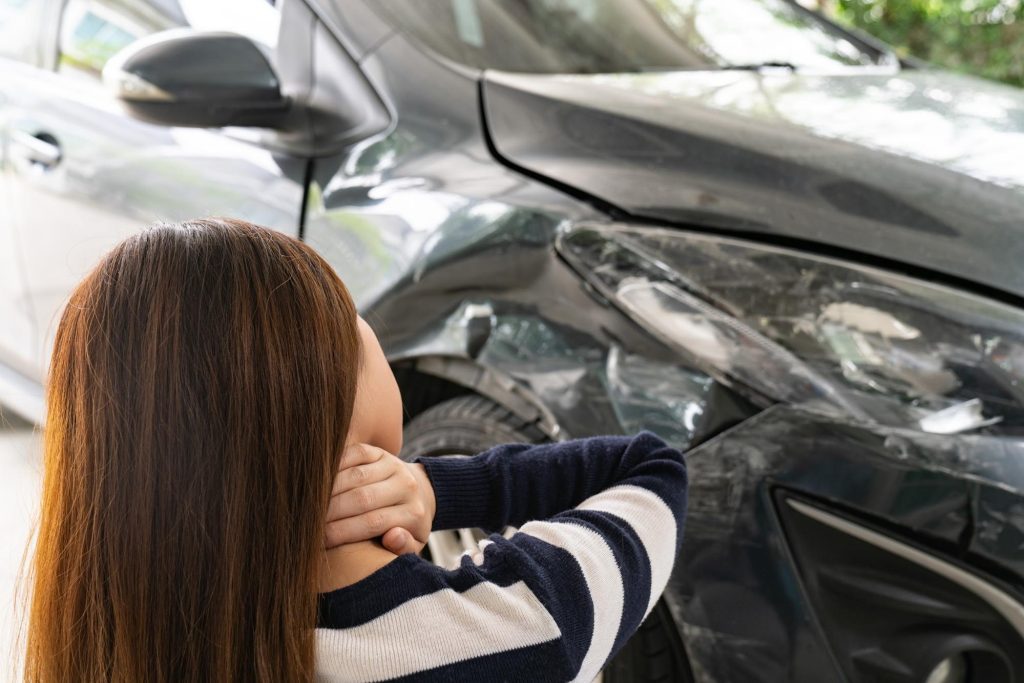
(471, 424)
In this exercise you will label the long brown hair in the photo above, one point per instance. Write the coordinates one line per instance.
(199, 395)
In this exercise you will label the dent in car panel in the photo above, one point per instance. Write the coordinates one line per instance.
(962, 494)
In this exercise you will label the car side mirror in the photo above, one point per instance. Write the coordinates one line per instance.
(204, 79)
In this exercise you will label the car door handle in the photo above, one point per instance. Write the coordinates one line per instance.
(41, 149)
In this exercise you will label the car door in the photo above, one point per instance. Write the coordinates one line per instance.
(84, 175)
(21, 27)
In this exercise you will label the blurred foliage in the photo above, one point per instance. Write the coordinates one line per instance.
(983, 37)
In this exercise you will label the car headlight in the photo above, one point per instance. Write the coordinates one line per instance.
(785, 326)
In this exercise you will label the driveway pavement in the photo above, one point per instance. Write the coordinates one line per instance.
(19, 498)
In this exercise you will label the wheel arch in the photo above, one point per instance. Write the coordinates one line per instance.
(425, 381)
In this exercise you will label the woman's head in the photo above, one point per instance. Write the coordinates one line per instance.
(200, 393)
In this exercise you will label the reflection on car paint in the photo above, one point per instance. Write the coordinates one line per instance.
(895, 166)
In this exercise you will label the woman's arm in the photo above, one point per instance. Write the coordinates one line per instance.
(555, 600)
(597, 569)
(511, 484)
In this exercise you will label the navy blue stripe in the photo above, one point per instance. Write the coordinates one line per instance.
(511, 484)
(407, 577)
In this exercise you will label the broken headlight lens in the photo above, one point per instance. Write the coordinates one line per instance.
(785, 326)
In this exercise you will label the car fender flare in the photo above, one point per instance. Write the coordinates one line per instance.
(492, 384)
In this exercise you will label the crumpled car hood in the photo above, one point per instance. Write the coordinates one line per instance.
(925, 168)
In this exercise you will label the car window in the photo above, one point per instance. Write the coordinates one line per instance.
(601, 36)
(19, 24)
(93, 31)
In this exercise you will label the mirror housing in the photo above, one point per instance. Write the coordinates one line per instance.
(203, 79)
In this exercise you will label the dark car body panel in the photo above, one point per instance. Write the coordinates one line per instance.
(918, 167)
(736, 588)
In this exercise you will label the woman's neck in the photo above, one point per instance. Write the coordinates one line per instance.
(346, 564)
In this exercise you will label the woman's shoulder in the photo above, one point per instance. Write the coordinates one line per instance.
(403, 578)
(414, 618)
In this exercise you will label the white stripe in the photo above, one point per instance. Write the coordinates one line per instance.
(437, 629)
(604, 584)
(651, 520)
(478, 555)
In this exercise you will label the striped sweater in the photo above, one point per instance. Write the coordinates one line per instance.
(600, 523)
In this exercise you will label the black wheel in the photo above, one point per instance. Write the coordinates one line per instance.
(470, 424)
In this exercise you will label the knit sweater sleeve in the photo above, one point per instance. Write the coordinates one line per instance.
(608, 524)
(511, 484)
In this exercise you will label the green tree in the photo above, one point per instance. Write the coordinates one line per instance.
(983, 37)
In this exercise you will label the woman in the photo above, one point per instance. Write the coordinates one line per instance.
(205, 381)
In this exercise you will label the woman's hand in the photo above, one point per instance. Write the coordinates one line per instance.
(377, 495)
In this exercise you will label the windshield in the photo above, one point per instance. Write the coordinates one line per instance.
(614, 36)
